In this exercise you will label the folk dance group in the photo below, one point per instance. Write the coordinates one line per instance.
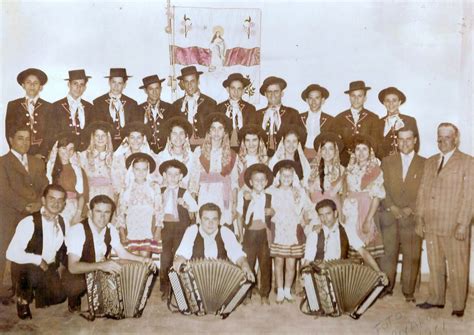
(197, 179)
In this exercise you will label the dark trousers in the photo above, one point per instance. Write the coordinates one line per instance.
(74, 286)
(8, 223)
(256, 247)
(171, 236)
(399, 236)
(30, 281)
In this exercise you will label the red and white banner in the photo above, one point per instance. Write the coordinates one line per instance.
(219, 42)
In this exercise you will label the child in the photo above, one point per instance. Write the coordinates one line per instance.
(255, 212)
(178, 205)
(139, 212)
(292, 208)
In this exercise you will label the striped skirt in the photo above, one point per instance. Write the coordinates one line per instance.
(287, 251)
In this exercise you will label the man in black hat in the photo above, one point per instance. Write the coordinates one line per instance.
(315, 120)
(72, 113)
(356, 120)
(194, 105)
(154, 112)
(275, 114)
(392, 98)
(31, 111)
(239, 111)
(114, 107)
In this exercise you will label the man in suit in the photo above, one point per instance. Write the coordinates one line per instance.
(239, 111)
(22, 180)
(315, 120)
(72, 113)
(154, 112)
(115, 107)
(31, 111)
(194, 105)
(356, 120)
(402, 174)
(275, 114)
(392, 98)
(444, 212)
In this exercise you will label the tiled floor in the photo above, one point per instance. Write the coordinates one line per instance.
(390, 315)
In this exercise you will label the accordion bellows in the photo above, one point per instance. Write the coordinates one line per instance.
(209, 286)
(118, 296)
(340, 287)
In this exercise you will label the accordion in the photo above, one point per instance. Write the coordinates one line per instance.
(208, 286)
(339, 287)
(118, 296)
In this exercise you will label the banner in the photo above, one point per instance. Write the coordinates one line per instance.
(218, 41)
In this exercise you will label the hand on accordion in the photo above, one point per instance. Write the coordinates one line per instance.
(384, 277)
(150, 264)
(110, 267)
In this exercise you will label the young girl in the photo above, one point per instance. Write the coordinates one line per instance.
(63, 169)
(139, 211)
(252, 150)
(363, 191)
(293, 210)
(289, 147)
(96, 160)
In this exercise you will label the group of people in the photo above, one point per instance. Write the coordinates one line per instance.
(197, 179)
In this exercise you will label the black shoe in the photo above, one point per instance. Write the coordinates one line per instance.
(459, 314)
(385, 294)
(23, 311)
(427, 305)
(410, 299)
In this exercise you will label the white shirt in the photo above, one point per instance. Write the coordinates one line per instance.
(22, 158)
(406, 161)
(75, 106)
(332, 248)
(256, 206)
(116, 106)
(53, 238)
(272, 114)
(355, 114)
(393, 121)
(232, 246)
(192, 103)
(169, 202)
(313, 127)
(235, 114)
(251, 160)
(447, 156)
(76, 237)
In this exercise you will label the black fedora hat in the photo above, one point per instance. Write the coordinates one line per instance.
(77, 75)
(392, 90)
(314, 87)
(189, 70)
(173, 163)
(270, 81)
(357, 85)
(42, 77)
(259, 167)
(178, 121)
(218, 117)
(118, 72)
(252, 129)
(91, 128)
(137, 126)
(328, 136)
(299, 131)
(287, 163)
(151, 80)
(236, 76)
(141, 155)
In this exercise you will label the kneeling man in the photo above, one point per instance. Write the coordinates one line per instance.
(211, 240)
(36, 251)
(89, 246)
(333, 240)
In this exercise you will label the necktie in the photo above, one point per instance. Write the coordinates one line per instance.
(440, 167)
(24, 161)
(31, 112)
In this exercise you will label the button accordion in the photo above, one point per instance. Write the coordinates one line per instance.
(118, 296)
(208, 286)
(339, 287)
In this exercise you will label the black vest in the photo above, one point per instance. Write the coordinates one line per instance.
(35, 245)
(268, 218)
(183, 214)
(198, 248)
(344, 244)
(88, 250)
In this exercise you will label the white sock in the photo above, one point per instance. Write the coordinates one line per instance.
(287, 292)
(280, 293)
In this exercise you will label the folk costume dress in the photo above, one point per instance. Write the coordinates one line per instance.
(98, 167)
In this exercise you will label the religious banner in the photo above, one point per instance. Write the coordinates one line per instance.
(218, 42)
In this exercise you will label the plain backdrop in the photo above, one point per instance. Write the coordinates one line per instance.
(423, 48)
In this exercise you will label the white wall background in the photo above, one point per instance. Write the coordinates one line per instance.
(423, 48)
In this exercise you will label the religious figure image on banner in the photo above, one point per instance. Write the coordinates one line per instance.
(218, 41)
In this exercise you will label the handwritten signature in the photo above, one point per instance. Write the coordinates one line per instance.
(405, 324)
